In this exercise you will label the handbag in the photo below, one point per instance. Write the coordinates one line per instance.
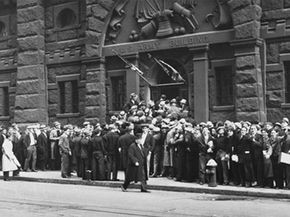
(284, 158)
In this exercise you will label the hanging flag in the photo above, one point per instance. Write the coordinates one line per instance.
(168, 69)
(173, 73)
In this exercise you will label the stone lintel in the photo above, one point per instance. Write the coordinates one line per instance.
(94, 60)
(248, 42)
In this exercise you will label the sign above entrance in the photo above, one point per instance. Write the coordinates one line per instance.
(189, 40)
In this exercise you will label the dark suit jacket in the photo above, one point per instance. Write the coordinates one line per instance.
(42, 146)
(136, 173)
(149, 143)
(124, 142)
(111, 143)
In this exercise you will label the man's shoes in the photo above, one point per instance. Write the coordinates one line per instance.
(34, 170)
(145, 191)
(201, 183)
(116, 179)
(123, 189)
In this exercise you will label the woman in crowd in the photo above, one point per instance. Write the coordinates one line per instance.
(9, 161)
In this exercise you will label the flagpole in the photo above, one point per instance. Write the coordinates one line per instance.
(132, 67)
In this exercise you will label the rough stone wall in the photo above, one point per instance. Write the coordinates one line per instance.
(65, 48)
(275, 29)
(97, 12)
(8, 55)
(30, 102)
(249, 104)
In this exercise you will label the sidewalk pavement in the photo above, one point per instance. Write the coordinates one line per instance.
(163, 184)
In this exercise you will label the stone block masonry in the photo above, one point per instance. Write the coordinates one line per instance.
(31, 99)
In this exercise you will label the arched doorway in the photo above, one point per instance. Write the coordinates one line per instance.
(166, 85)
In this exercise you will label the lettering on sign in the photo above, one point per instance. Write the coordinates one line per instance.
(182, 42)
(170, 43)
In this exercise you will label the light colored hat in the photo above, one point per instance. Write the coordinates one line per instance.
(285, 120)
(42, 127)
(56, 123)
(183, 101)
(122, 113)
(173, 101)
(86, 123)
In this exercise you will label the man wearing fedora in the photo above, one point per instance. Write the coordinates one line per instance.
(137, 166)
(42, 148)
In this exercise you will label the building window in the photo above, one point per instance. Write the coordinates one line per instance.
(224, 85)
(2, 29)
(287, 81)
(4, 101)
(118, 92)
(66, 17)
(68, 97)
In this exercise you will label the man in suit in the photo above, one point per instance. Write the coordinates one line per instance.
(54, 135)
(205, 152)
(124, 142)
(111, 147)
(65, 151)
(148, 143)
(286, 149)
(42, 148)
(30, 144)
(137, 166)
(133, 101)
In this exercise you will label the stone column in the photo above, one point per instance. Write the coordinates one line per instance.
(95, 106)
(250, 102)
(31, 93)
(95, 110)
(132, 78)
(200, 70)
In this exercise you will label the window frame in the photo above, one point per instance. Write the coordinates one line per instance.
(114, 73)
(68, 78)
(59, 8)
(214, 101)
(284, 58)
(6, 84)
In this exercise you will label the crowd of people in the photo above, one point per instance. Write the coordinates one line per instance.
(170, 143)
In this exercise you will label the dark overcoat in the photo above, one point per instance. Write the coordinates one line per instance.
(42, 147)
(124, 142)
(136, 173)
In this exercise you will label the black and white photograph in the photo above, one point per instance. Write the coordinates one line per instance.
(146, 108)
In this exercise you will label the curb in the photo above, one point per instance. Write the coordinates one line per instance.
(116, 184)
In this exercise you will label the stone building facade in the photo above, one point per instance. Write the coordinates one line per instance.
(58, 58)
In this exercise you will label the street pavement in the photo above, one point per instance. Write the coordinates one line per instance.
(156, 184)
(34, 199)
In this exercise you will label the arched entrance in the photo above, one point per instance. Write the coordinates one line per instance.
(166, 85)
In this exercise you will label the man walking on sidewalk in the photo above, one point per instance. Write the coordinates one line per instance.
(137, 163)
